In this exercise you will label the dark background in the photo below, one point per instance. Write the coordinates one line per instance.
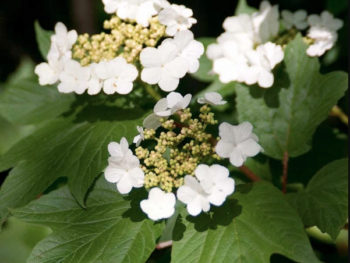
(17, 37)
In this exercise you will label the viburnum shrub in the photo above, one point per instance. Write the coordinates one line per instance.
(119, 156)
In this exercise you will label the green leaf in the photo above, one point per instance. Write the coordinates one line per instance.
(286, 115)
(10, 134)
(26, 102)
(18, 239)
(256, 223)
(244, 8)
(206, 65)
(59, 149)
(43, 38)
(324, 203)
(110, 229)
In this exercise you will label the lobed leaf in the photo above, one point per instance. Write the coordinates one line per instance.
(254, 224)
(59, 149)
(286, 115)
(110, 229)
(324, 203)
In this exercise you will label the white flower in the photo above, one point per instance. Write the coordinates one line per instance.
(163, 66)
(192, 194)
(48, 73)
(63, 40)
(59, 53)
(117, 75)
(140, 137)
(265, 22)
(123, 168)
(262, 61)
(296, 19)
(176, 18)
(212, 187)
(229, 62)
(189, 49)
(74, 78)
(159, 205)
(325, 20)
(237, 143)
(324, 40)
(323, 32)
(216, 182)
(171, 104)
(212, 98)
(139, 10)
(118, 151)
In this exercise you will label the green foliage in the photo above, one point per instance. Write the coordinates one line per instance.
(286, 115)
(110, 229)
(256, 223)
(244, 8)
(26, 102)
(17, 240)
(43, 38)
(324, 203)
(64, 149)
(56, 145)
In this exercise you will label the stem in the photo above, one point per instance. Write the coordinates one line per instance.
(249, 173)
(337, 112)
(154, 94)
(285, 172)
(165, 244)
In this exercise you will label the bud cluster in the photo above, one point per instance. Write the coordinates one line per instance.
(181, 145)
(125, 38)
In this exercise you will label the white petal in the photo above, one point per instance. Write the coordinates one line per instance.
(124, 185)
(151, 75)
(236, 158)
(250, 147)
(113, 175)
(168, 83)
(150, 57)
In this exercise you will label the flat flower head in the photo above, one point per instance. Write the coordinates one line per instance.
(237, 143)
(176, 18)
(212, 98)
(163, 66)
(159, 205)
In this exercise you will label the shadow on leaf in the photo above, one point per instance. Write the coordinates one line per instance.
(134, 212)
(271, 95)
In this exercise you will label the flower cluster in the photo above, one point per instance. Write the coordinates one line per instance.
(177, 157)
(252, 45)
(147, 36)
